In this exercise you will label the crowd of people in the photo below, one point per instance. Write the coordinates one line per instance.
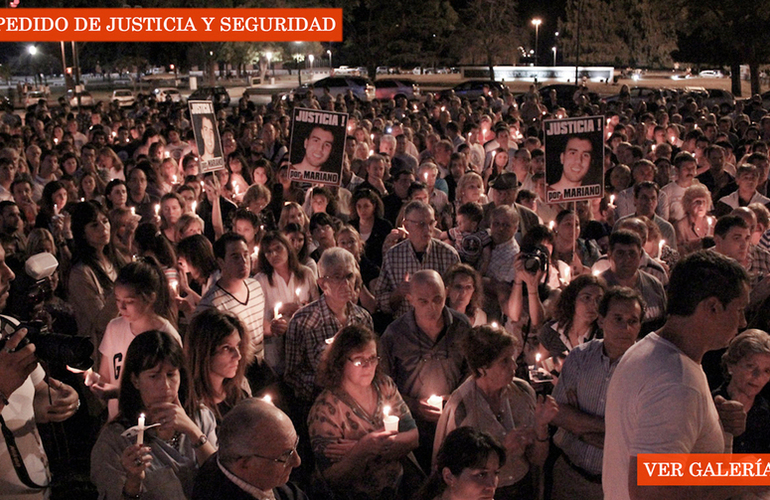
(397, 336)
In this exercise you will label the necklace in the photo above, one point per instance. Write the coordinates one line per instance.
(174, 441)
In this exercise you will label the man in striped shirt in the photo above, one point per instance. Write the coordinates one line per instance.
(235, 292)
(582, 392)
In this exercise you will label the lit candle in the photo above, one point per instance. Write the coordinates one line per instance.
(710, 221)
(494, 324)
(166, 154)
(277, 310)
(157, 209)
(415, 107)
(653, 147)
(56, 140)
(596, 272)
(390, 421)
(297, 293)
(202, 185)
(194, 206)
(436, 401)
(255, 253)
(133, 211)
(406, 277)
(551, 225)
(140, 430)
(114, 134)
(612, 200)
(174, 179)
(660, 247)
(371, 152)
(425, 176)
(82, 200)
(174, 286)
(55, 208)
(538, 357)
(267, 398)
(372, 136)
(443, 108)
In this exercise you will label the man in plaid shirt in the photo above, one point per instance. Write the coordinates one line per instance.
(312, 326)
(419, 251)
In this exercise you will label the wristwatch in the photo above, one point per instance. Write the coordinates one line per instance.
(200, 442)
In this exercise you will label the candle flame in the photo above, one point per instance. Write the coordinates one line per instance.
(267, 398)
(386, 410)
(277, 310)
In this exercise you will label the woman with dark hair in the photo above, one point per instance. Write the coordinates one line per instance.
(464, 292)
(172, 206)
(746, 367)
(217, 350)
(575, 317)
(95, 268)
(367, 217)
(467, 467)
(322, 199)
(141, 293)
(285, 282)
(116, 194)
(262, 173)
(154, 389)
(355, 455)
(495, 401)
(88, 188)
(240, 173)
(51, 204)
(150, 242)
(299, 240)
(195, 256)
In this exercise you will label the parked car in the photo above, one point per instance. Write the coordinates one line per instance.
(124, 97)
(711, 73)
(565, 94)
(86, 99)
(472, 89)
(390, 88)
(218, 95)
(362, 88)
(163, 94)
(32, 97)
(644, 94)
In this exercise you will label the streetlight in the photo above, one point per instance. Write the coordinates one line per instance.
(536, 22)
(554, 54)
(311, 57)
(32, 50)
(331, 68)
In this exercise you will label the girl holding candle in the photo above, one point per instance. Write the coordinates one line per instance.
(155, 383)
(354, 453)
(142, 296)
(494, 401)
(281, 276)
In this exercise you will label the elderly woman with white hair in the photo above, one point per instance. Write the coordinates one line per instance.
(311, 326)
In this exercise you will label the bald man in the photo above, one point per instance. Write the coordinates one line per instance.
(257, 452)
(421, 352)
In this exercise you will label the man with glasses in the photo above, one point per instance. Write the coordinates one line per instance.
(419, 251)
(421, 353)
(257, 452)
(312, 326)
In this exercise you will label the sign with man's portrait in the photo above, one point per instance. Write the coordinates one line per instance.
(317, 146)
(574, 159)
(204, 123)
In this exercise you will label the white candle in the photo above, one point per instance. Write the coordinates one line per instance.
(551, 225)
(390, 421)
(612, 200)
(174, 179)
(297, 292)
(133, 211)
(436, 401)
(276, 310)
(194, 206)
(425, 176)
(140, 433)
(660, 247)
(267, 398)
(174, 286)
(157, 209)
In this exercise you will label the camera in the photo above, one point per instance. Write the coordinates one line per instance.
(535, 259)
(53, 348)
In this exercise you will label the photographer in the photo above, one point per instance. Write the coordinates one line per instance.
(26, 399)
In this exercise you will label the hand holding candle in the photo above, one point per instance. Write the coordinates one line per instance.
(138, 430)
(390, 421)
(436, 402)
(277, 310)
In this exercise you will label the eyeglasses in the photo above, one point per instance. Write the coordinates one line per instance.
(364, 362)
(285, 458)
(421, 224)
(350, 278)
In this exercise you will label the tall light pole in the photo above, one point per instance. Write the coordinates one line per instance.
(331, 68)
(536, 22)
(554, 54)
(311, 57)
